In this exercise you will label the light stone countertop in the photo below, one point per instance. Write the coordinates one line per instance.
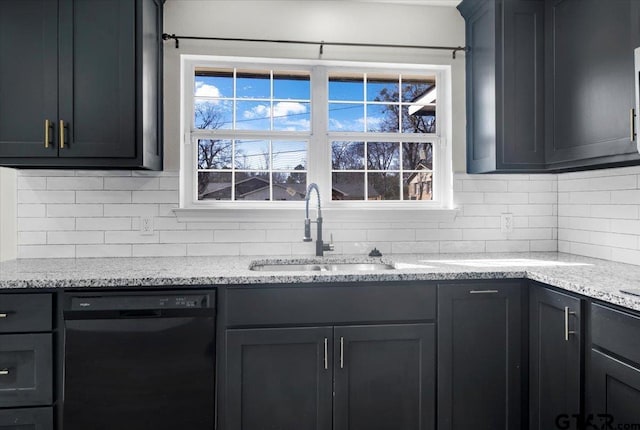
(594, 278)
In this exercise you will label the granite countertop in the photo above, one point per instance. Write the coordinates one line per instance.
(594, 278)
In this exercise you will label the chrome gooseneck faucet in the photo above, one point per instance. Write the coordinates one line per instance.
(320, 245)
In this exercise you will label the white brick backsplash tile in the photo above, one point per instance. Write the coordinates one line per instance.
(439, 234)
(97, 251)
(346, 235)
(103, 196)
(588, 224)
(614, 183)
(102, 224)
(467, 198)
(626, 226)
(160, 250)
(74, 237)
(483, 234)
(568, 235)
(31, 210)
(46, 251)
(46, 196)
(626, 197)
(31, 183)
(590, 197)
(132, 236)
(363, 248)
(480, 185)
(530, 210)
(536, 198)
(543, 246)
(131, 183)
(531, 234)
(265, 249)
(574, 210)
(518, 222)
(74, 210)
(155, 197)
(573, 185)
(167, 223)
(564, 247)
(628, 256)
(186, 236)
(540, 186)
(240, 236)
(292, 235)
(467, 222)
(614, 240)
(415, 225)
(45, 173)
(508, 246)
(484, 210)
(74, 183)
(506, 198)
(588, 250)
(213, 226)
(166, 209)
(132, 210)
(415, 247)
(46, 224)
(391, 235)
(204, 249)
(462, 246)
(32, 238)
(543, 221)
(102, 173)
(614, 211)
(169, 183)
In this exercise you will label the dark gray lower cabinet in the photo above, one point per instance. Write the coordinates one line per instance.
(555, 359)
(384, 377)
(26, 419)
(480, 356)
(374, 377)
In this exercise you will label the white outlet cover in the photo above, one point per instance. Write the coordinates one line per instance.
(146, 226)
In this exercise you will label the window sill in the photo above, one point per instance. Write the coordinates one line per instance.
(330, 214)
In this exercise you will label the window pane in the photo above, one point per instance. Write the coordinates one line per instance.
(213, 114)
(418, 185)
(214, 186)
(253, 116)
(383, 155)
(382, 118)
(252, 155)
(347, 186)
(347, 155)
(346, 117)
(417, 156)
(289, 155)
(213, 83)
(382, 88)
(292, 116)
(384, 186)
(253, 84)
(289, 186)
(347, 88)
(214, 154)
(252, 186)
(422, 120)
(415, 87)
(291, 85)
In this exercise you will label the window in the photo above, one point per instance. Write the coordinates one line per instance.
(258, 134)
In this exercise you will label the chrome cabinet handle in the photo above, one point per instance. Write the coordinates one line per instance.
(483, 292)
(4, 372)
(567, 332)
(341, 352)
(326, 353)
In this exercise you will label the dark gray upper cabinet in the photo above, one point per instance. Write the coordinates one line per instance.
(555, 358)
(505, 78)
(480, 356)
(71, 83)
(590, 81)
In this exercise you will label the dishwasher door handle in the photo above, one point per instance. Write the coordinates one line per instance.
(140, 313)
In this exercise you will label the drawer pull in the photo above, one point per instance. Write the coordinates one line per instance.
(567, 332)
(4, 372)
(326, 353)
(4, 314)
(341, 352)
(483, 292)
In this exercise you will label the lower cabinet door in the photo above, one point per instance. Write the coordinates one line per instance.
(555, 362)
(26, 419)
(279, 378)
(25, 370)
(480, 368)
(384, 377)
(614, 393)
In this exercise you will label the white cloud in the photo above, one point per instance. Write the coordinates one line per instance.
(206, 90)
(280, 110)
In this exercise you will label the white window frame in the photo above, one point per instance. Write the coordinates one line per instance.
(319, 148)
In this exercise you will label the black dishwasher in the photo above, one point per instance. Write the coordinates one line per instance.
(136, 361)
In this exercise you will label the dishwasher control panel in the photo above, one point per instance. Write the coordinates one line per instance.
(140, 302)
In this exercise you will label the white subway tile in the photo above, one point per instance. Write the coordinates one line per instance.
(74, 237)
(483, 234)
(240, 236)
(46, 251)
(103, 197)
(540, 186)
(432, 247)
(155, 197)
(463, 198)
(32, 238)
(568, 235)
(31, 183)
(614, 183)
(391, 235)
(294, 235)
(46, 224)
(169, 183)
(508, 246)
(131, 183)
(105, 223)
(574, 210)
(588, 224)
(160, 250)
(363, 248)
(588, 250)
(46, 196)
(530, 210)
(269, 249)
(614, 211)
(468, 222)
(543, 246)
(213, 226)
(462, 246)
(481, 185)
(132, 210)
(628, 256)
(201, 236)
(101, 251)
(590, 197)
(531, 234)
(536, 198)
(439, 234)
(45, 172)
(74, 210)
(614, 240)
(167, 223)
(31, 210)
(131, 236)
(166, 209)
(102, 173)
(626, 197)
(543, 221)
(573, 185)
(484, 210)
(626, 226)
(204, 249)
(74, 183)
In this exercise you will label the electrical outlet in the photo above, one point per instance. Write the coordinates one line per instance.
(146, 225)
(506, 223)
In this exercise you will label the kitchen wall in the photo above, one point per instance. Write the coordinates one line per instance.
(7, 214)
(599, 214)
(96, 214)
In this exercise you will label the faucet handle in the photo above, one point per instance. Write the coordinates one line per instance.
(307, 230)
(329, 246)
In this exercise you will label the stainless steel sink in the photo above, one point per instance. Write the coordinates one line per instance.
(320, 267)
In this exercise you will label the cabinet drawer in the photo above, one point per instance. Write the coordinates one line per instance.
(616, 331)
(23, 313)
(267, 306)
(26, 419)
(25, 370)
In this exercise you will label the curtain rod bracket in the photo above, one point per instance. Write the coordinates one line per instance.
(166, 36)
(321, 48)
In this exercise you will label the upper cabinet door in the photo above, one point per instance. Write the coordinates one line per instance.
(98, 78)
(28, 77)
(590, 81)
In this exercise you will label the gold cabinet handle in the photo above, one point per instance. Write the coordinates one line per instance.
(61, 134)
(4, 372)
(3, 315)
(47, 128)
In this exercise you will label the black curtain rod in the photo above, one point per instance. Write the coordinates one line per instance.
(454, 49)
